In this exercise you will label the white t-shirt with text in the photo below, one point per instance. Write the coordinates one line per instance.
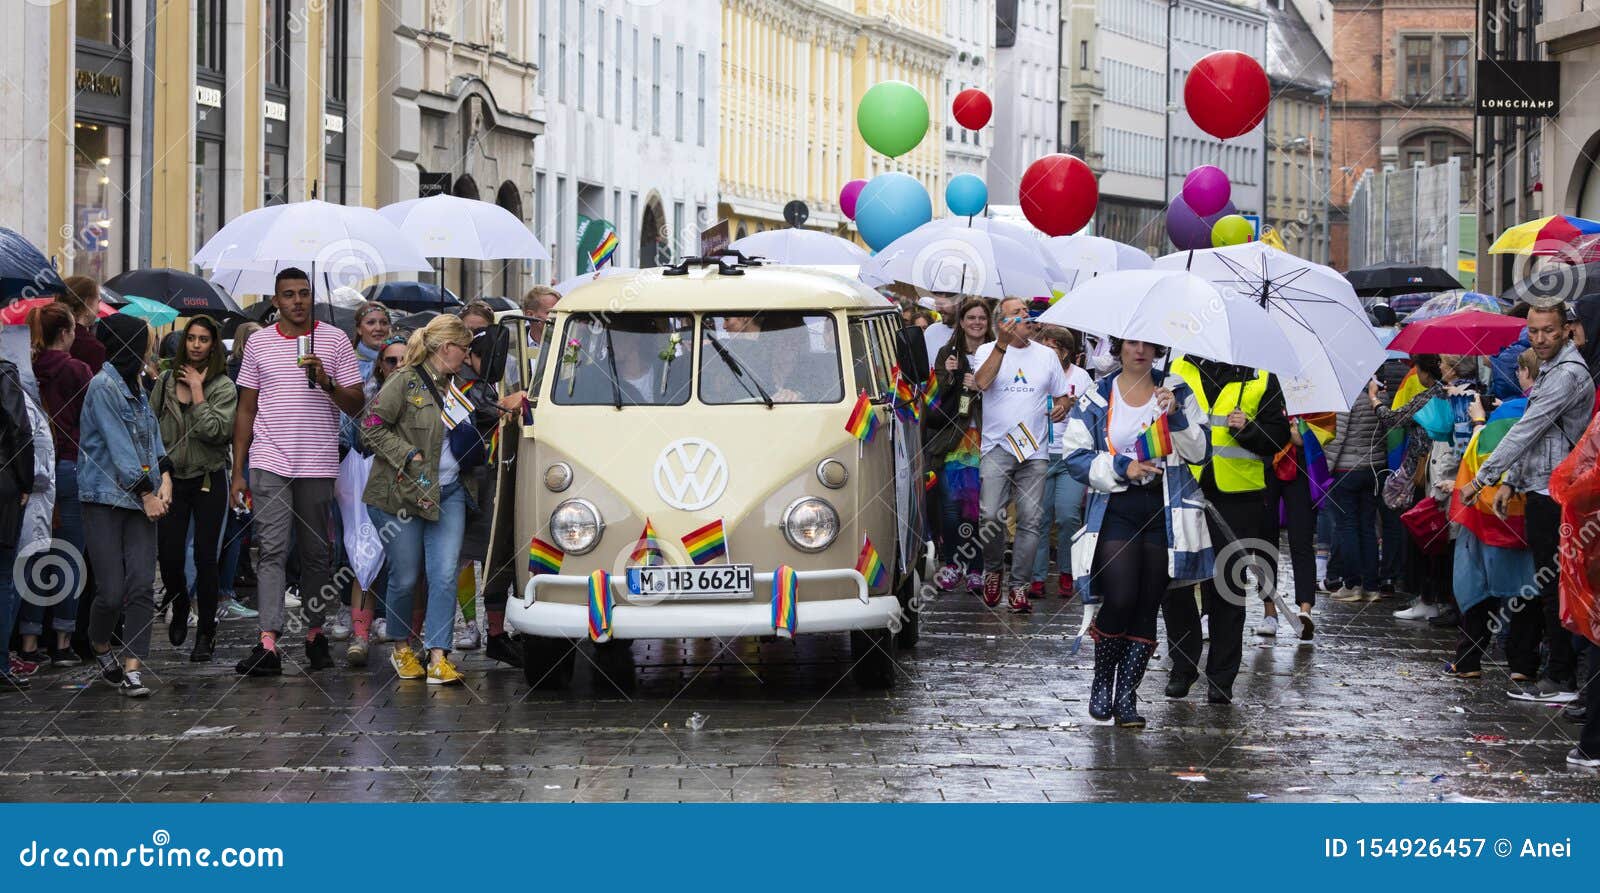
(1020, 393)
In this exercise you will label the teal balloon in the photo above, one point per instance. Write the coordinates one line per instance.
(892, 117)
(966, 195)
(891, 205)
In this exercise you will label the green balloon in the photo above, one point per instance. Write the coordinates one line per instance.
(892, 117)
(1231, 230)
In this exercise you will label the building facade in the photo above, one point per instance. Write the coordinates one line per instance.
(1570, 145)
(1201, 27)
(1298, 152)
(631, 103)
(1510, 150)
(969, 28)
(791, 79)
(1402, 72)
(1027, 77)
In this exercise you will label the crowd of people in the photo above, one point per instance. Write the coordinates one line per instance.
(186, 457)
(1175, 485)
(1158, 487)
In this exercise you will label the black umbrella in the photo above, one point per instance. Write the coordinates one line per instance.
(24, 270)
(1554, 284)
(342, 317)
(498, 304)
(1395, 278)
(414, 321)
(410, 296)
(187, 293)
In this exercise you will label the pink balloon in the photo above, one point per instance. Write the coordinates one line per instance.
(848, 195)
(1206, 190)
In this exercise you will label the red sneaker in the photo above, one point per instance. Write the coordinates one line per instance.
(1064, 585)
(1036, 590)
(1018, 601)
(991, 590)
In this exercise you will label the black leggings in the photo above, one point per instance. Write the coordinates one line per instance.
(1130, 563)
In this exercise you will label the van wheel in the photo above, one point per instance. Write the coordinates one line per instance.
(613, 664)
(910, 612)
(547, 663)
(873, 652)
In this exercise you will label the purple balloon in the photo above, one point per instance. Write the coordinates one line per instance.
(849, 194)
(1188, 230)
(1206, 189)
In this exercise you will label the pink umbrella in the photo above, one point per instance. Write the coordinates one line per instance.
(16, 312)
(1472, 333)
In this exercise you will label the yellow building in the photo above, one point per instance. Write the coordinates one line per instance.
(792, 73)
(252, 103)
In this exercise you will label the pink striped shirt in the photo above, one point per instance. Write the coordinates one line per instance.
(296, 433)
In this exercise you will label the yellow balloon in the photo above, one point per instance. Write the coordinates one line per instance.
(1231, 230)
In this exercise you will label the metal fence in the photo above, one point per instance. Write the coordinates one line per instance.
(1410, 216)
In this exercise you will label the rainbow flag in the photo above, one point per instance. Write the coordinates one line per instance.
(902, 388)
(785, 591)
(647, 551)
(930, 391)
(600, 606)
(604, 251)
(544, 558)
(928, 480)
(870, 565)
(706, 543)
(1396, 438)
(863, 422)
(1155, 441)
(1479, 517)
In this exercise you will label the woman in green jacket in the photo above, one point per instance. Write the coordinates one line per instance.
(193, 403)
(414, 493)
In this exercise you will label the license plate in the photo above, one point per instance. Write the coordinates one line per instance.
(730, 581)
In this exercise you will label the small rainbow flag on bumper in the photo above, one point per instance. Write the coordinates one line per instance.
(1155, 441)
(604, 251)
(647, 550)
(863, 422)
(706, 543)
(785, 590)
(600, 606)
(544, 558)
(871, 565)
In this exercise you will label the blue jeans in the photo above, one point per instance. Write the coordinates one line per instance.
(1392, 557)
(64, 614)
(1063, 506)
(413, 541)
(235, 533)
(1355, 507)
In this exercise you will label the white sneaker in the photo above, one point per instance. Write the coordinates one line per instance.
(1349, 594)
(338, 626)
(1417, 611)
(467, 637)
(1268, 627)
(291, 597)
(380, 630)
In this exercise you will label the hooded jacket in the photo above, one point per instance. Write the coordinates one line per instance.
(63, 380)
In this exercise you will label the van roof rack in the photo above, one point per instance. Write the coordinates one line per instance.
(720, 257)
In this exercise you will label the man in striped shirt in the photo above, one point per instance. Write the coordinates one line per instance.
(287, 426)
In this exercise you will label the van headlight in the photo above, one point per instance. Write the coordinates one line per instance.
(810, 524)
(576, 526)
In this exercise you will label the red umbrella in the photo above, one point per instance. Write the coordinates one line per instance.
(1472, 333)
(16, 312)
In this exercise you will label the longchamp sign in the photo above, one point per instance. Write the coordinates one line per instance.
(1518, 89)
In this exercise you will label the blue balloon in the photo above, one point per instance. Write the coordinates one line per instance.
(966, 195)
(891, 205)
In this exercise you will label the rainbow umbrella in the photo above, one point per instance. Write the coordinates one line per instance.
(1547, 236)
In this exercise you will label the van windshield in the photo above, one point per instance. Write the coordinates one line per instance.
(770, 358)
(624, 359)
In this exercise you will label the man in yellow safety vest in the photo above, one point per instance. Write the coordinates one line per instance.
(1248, 427)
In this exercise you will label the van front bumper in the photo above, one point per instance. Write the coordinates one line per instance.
(699, 619)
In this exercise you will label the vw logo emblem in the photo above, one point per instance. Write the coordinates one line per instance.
(690, 474)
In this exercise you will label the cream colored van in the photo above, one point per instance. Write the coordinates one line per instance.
(710, 402)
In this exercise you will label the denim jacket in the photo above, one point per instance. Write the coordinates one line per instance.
(119, 443)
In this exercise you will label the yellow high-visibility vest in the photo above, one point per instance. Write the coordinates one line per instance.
(1235, 468)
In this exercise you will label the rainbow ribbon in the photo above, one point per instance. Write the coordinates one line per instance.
(600, 606)
(785, 592)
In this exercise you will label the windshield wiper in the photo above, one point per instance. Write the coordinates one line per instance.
(611, 358)
(740, 375)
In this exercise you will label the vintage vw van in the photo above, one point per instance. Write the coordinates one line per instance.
(689, 440)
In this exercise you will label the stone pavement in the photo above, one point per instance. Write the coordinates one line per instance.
(989, 707)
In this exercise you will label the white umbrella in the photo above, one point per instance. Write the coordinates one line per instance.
(956, 260)
(568, 285)
(451, 226)
(1315, 312)
(1084, 257)
(801, 246)
(337, 244)
(1177, 310)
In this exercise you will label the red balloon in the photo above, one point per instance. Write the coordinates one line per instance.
(973, 108)
(1226, 94)
(1058, 194)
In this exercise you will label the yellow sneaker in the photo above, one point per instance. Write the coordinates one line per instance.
(405, 663)
(443, 672)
